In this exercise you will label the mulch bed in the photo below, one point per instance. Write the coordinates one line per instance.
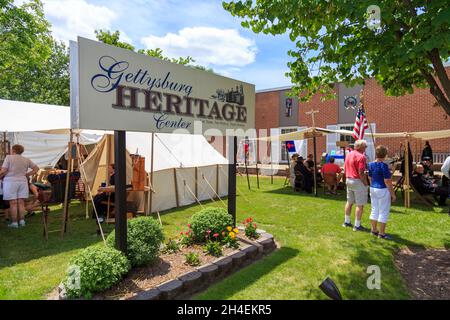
(426, 272)
(168, 267)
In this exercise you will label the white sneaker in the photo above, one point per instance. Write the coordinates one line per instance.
(13, 225)
(22, 223)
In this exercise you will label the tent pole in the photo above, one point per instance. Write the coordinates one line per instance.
(66, 191)
(257, 174)
(176, 187)
(108, 158)
(246, 167)
(196, 182)
(151, 173)
(271, 164)
(315, 164)
(407, 169)
(217, 178)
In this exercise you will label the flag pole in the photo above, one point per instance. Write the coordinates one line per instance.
(361, 103)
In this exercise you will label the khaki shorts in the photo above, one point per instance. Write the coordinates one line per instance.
(356, 192)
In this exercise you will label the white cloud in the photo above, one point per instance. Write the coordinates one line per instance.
(207, 45)
(72, 18)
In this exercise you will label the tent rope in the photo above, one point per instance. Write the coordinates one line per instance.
(190, 191)
(207, 182)
(92, 200)
(237, 188)
(181, 163)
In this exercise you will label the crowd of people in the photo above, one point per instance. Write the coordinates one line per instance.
(372, 179)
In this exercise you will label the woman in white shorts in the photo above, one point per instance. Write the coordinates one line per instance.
(15, 173)
(381, 193)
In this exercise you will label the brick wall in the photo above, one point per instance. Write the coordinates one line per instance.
(327, 115)
(412, 112)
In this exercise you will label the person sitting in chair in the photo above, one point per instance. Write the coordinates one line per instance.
(304, 174)
(425, 185)
(427, 167)
(101, 198)
(331, 174)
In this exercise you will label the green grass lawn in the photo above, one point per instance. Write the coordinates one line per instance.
(312, 242)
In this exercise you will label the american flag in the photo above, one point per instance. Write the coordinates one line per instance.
(360, 124)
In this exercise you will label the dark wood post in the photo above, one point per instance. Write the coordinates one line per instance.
(120, 180)
(232, 150)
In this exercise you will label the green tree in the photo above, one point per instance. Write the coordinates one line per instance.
(335, 42)
(33, 66)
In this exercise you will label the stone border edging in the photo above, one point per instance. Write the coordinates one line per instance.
(204, 276)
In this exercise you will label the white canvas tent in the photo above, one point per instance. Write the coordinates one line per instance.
(185, 168)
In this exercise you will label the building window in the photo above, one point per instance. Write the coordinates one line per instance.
(284, 156)
(349, 139)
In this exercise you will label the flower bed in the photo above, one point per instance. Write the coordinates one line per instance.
(204, 254)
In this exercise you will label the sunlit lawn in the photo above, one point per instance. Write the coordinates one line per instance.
(312, 242)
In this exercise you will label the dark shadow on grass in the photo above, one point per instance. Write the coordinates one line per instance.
(354, 284)
(27, 243)
(248, 275)
(341, 197)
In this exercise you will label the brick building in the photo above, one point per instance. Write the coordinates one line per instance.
(412, 112)
(277, 113)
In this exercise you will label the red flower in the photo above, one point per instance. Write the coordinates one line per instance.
(181, 232)
(187, 233)
(254, 225)
(209, 231)
(189, 225)
(215, 235)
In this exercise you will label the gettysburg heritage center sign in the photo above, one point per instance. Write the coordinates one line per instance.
(117, 89)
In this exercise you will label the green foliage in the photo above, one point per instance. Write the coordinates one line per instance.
(94, 269)
(213, 248)
(209, 221)
(144, 240)
(172, 246)
(192, 259)
(335, 43)
(34, 67)
(112, 38)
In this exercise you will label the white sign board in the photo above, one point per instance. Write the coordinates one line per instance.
(117, 89)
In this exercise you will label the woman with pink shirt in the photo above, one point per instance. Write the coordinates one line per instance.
(15, 172)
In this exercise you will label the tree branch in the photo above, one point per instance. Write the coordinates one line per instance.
(436, 91)
(435, 58)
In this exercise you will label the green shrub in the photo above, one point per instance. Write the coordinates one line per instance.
(171, 246)
(214, 220)
(213, 248)
(94, 269)
(192, 259)
(144, 240)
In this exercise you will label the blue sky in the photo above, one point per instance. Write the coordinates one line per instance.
(199, 28)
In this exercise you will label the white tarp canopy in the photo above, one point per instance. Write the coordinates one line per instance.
(45, 149)
(18, 116)
(308, 132)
